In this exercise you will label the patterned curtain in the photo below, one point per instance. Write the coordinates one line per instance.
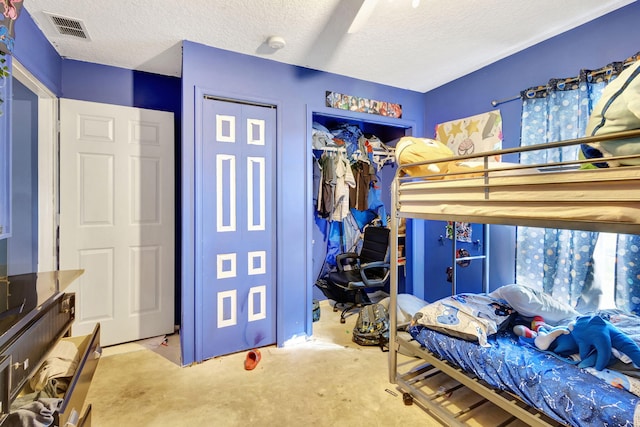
(557, 261)
(627, 296)
(560, 261)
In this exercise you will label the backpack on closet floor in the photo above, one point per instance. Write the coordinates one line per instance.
(372, 326)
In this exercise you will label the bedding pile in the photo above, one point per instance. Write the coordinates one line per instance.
(617, 110)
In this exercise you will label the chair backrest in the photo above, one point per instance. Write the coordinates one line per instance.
(375, 244)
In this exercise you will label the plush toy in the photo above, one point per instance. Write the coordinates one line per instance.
(412, 150)
(593, 338)
(541, 335)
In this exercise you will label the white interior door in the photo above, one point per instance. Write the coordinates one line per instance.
(117, 218)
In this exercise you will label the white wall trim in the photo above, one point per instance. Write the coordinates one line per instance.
(47, 167)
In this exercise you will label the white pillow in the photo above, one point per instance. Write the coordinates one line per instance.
(407, 305)
(472, 317)
(531, 302)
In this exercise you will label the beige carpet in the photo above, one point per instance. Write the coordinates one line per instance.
(325, 381)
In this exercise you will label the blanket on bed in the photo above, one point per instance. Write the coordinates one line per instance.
(544, 381)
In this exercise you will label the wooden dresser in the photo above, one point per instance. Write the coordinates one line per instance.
(36, 315)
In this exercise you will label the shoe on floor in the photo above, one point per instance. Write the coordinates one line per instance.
(252, 359)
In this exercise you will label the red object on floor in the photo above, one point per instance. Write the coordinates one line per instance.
(252, 359)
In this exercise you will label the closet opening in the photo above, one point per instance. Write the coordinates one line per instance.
(367, 146)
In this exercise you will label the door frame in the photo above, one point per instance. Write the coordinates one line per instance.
(192, 311)
(47, 167)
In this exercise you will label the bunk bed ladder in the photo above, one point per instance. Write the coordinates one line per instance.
(484, 257)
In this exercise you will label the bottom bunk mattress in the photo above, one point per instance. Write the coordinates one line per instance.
(556, 387)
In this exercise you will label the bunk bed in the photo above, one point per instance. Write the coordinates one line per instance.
(563, 195)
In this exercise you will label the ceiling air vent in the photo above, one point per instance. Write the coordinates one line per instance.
(68, 26)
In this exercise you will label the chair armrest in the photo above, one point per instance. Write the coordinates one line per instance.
(375, 264)
(340, 258)
(378, 281)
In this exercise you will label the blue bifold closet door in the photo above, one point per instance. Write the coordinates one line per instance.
(235, 243)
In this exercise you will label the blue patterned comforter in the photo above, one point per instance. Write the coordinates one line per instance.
(558, 388)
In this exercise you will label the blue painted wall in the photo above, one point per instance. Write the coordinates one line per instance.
(612, 37)
(111, 85)
(296, 92)
(36, 54)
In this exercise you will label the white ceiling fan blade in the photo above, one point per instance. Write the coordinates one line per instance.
(361, 18)
(321, 52)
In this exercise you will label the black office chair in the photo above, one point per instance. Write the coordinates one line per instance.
(347, 285)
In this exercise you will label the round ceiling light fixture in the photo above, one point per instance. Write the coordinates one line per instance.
(276, 42)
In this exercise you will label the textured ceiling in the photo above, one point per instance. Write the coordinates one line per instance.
(399, 45)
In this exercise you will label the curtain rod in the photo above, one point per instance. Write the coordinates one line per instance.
(545, 87)
(604, 70)
(502, 101)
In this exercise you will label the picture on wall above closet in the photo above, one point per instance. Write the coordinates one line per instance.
(363, 105)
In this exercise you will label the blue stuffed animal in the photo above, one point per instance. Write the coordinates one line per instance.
(593, 338)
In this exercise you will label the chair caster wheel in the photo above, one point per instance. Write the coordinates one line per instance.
(342, 320)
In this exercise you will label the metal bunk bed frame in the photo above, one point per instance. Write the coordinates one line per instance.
(411, 381)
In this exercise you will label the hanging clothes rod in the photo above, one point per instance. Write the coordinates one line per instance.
(335, 149)
(380, 157)
(390, 151)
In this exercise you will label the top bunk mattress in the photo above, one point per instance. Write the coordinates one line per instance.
(559, 195)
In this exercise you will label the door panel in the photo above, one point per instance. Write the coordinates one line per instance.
(237, 227)
(117, 217)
